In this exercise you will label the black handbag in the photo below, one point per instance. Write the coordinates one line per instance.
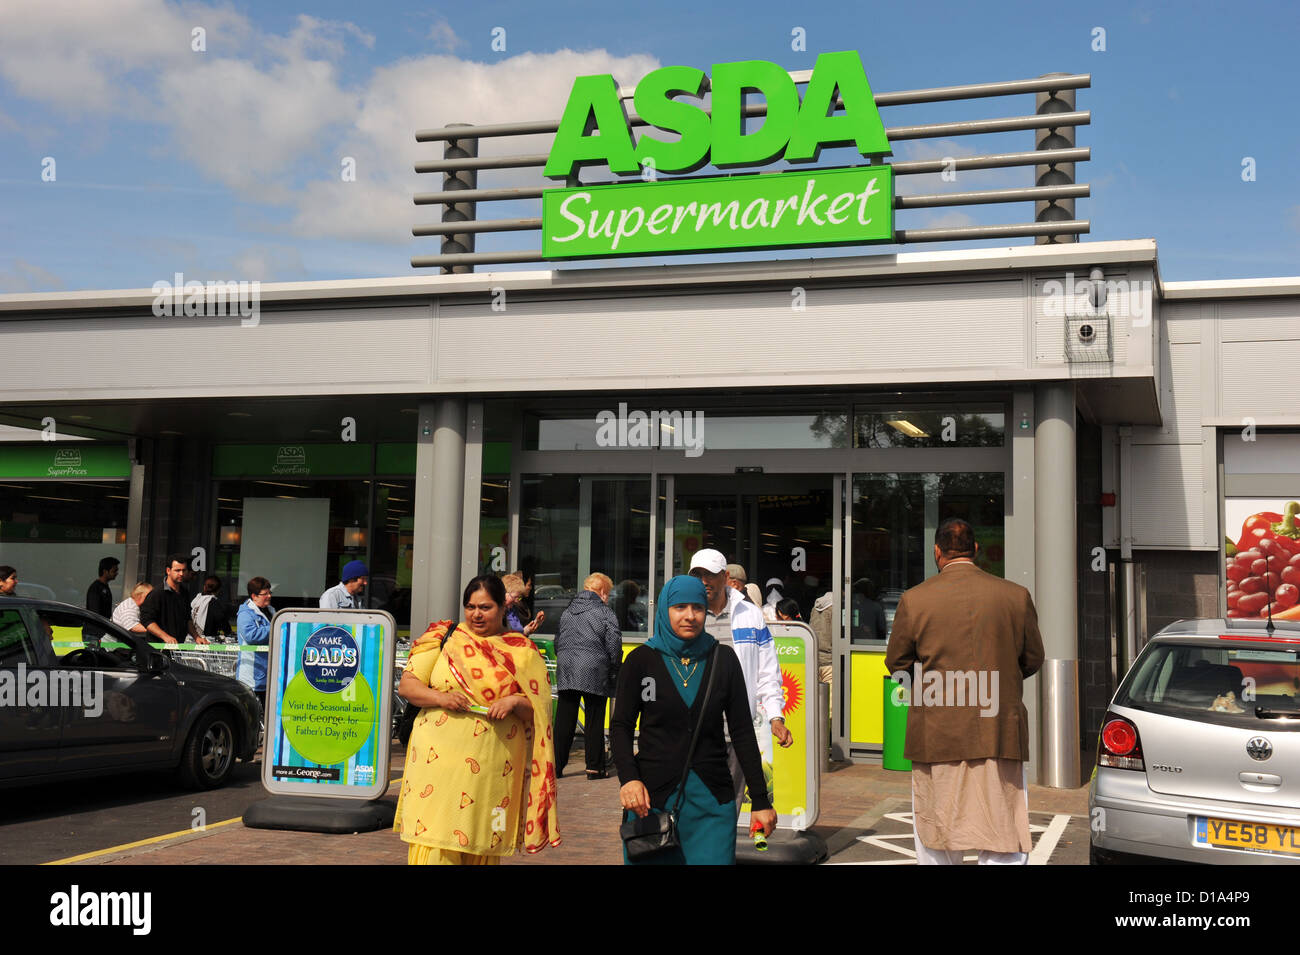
(406, 722)
(656, 832)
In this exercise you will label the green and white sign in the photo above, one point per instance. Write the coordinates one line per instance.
(648, 216)
(824, 207)
(81, 460)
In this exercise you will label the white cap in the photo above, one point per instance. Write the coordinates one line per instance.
(709, 560)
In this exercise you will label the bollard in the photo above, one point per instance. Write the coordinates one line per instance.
(824, 725)
(895, 726)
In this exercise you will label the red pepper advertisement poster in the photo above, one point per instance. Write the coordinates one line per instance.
(1262, 557)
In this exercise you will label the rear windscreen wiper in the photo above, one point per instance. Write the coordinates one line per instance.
(1264, 713)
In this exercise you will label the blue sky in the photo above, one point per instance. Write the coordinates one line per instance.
(225, 163)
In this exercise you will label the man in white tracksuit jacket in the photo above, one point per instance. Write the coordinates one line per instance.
(734, 620)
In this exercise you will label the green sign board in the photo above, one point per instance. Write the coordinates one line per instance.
(395, 458)
(785, 210)
(790, 209)
(53, 460)
(291, 460)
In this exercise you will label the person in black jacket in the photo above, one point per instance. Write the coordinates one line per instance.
(660, 684)
(99, 598)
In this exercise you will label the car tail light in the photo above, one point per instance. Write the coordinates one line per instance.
(1120, 747)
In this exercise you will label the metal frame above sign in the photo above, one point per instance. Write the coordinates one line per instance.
(640, 211)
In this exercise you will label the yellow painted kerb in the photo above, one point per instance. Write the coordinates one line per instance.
(141, 842)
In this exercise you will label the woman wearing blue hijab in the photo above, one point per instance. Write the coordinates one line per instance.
(660, 684)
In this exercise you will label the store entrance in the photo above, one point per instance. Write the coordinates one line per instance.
(780, 528)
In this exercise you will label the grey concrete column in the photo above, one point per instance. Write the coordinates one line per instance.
(439, 511)
(1055, 583)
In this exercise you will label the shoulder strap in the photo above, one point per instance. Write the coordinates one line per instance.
(712, 665)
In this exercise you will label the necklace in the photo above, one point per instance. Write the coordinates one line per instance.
(689, 673)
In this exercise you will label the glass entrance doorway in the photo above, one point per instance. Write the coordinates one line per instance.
(780, 528)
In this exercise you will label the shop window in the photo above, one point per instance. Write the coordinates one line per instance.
(296, 532)
(894, 520)
(548, 541)
(928, 428)
(393, 549)
(494, 524)
(571, 526)
(56, 532)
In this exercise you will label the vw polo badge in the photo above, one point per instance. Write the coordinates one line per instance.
(1259, 748)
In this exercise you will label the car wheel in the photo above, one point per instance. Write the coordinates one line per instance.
(209, 754)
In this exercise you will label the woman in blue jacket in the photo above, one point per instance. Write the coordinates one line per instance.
(254, 626)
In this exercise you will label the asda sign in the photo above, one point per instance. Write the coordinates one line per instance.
(774, 209)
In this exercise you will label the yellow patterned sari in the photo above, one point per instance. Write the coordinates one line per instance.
(474, 788)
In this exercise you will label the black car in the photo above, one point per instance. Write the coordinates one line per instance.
(113, 708)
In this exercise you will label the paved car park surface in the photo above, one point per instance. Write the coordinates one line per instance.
(60, 820)
(118, 822)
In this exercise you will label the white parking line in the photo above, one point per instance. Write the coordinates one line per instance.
(1047, 842)
(902, 843)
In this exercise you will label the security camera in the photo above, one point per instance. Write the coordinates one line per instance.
(1086, 334)
(1097, 289)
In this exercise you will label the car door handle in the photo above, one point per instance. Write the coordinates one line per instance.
(1259, 779)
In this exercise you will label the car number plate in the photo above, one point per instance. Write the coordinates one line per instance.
(1252, 836)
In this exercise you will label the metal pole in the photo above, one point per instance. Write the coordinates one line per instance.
(1055, 580)
(1054, 174)
(455, 181)
(1129, 570)
(823, 726)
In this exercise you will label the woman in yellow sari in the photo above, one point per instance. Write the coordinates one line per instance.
(480, 768)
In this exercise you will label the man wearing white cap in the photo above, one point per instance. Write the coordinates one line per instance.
(733, 619)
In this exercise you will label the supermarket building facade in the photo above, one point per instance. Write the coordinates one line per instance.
(815, 419)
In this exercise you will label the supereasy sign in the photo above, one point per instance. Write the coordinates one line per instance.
(789, 209)
(329, 703)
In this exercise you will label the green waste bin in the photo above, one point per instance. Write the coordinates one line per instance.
(896, 699)
(547, 647)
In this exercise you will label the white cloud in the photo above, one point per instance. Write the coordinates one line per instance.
(442, 36)
(436, 91)
(950, 219)
(89, 58)
(268, 116)
(958, 180)
(26, 277)
(263, 263)
(254, 129)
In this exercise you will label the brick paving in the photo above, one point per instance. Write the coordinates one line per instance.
(858, 803)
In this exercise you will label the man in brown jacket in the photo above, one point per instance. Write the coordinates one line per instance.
(964, 641)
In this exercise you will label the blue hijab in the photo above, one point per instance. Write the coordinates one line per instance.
(682, 589)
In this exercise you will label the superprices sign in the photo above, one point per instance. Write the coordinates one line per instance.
(789, 209)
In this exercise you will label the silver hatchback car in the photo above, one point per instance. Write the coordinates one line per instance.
(1199, 758)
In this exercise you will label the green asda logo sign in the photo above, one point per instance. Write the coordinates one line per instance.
(787, 209)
